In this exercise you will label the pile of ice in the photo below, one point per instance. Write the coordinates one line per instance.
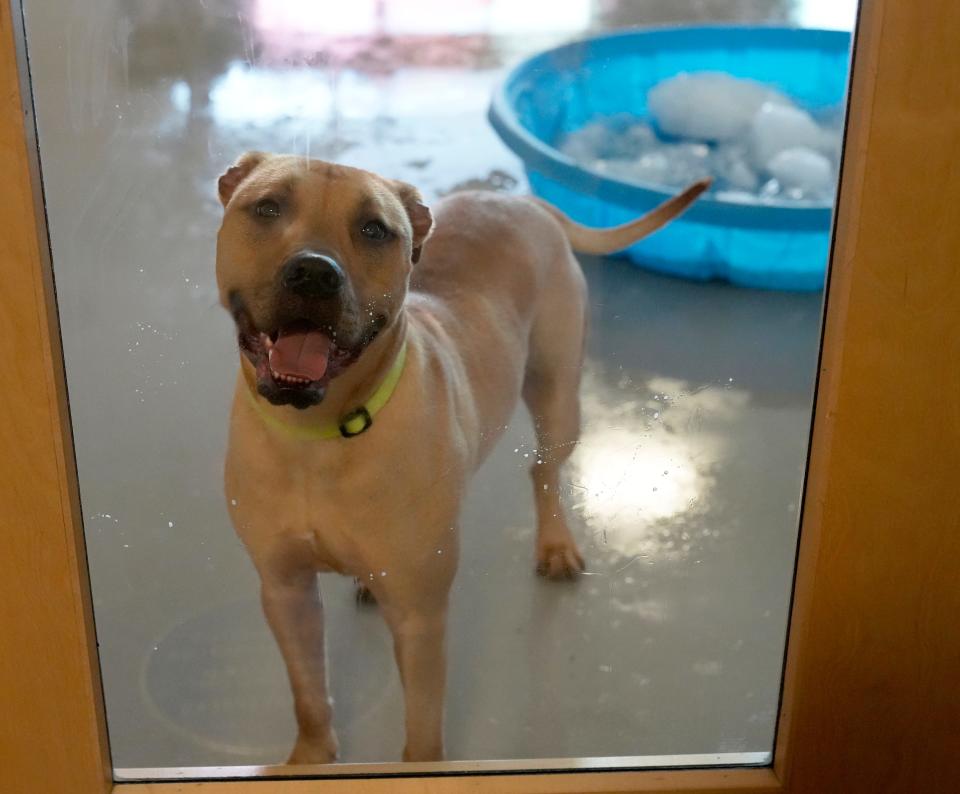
(756, 143)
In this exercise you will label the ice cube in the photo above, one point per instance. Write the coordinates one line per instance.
(730, 165)
(673, 164)
(803, 173)
(630, 142)
(689, 161)
(639, 137)
(587, 143)
(652, 167)
(710, 106)
(694, 152)
(737, 196)
(775, 128)
(599, 164)
(616, 138)
(770, 189)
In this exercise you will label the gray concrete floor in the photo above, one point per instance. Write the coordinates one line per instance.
(697, 402)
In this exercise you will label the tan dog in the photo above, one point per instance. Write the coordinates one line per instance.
(376, 376)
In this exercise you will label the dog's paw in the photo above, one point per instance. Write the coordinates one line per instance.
(559, 558)
(363, 594)
(315, 751)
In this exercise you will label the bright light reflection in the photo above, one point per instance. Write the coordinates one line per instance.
(829, 14)
(261, 95)
(295, 18)
(302, 17)
(264, 96)
(629, 475)
(644, 465)
(539, 16)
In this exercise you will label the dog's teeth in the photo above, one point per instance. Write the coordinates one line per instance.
(295, 380)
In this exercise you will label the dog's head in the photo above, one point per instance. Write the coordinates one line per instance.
(313, 262)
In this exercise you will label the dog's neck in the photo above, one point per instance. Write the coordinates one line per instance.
(349, 390)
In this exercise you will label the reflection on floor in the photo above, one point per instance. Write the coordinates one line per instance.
(696, 401)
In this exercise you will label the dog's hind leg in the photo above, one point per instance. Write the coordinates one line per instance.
(551, 392)
(362, 594)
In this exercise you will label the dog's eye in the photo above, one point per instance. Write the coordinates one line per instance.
(374, 230)
(267, 208)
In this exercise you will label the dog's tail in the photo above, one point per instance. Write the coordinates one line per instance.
(587, 240)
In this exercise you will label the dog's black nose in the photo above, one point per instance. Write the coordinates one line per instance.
(312, 276)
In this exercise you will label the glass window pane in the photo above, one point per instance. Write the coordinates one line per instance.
(415, 419)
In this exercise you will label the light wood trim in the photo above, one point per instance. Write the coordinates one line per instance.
(52, 732)
(872, 702)
(747, 781)
(840, 280)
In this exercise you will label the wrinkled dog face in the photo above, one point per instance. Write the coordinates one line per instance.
(313, 261)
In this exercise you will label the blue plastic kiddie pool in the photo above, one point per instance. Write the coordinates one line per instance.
(770, 245)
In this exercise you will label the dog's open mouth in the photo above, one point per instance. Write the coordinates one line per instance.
(298, 356)
(296, 359)
(294, 363)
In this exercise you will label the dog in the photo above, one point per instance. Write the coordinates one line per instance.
(383, 350)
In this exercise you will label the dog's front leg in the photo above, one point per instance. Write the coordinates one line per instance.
(419, 644)
(294, 611)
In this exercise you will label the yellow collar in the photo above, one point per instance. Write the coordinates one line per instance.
(352, 424)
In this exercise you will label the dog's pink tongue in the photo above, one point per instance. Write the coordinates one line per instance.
(303, 355)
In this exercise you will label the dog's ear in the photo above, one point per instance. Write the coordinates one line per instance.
(421, 219)
(236, 173)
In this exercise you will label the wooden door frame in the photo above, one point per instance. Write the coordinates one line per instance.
(870, 702)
